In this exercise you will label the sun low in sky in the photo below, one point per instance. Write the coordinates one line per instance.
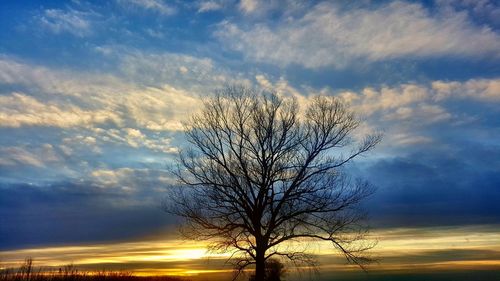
(94, 94)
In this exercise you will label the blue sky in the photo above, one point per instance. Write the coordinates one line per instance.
(93, 95)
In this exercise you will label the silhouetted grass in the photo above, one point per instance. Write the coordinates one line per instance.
(27, 272)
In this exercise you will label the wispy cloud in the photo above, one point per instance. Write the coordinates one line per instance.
(19, 110)
(208, 6)
(484, 10)
(329, 36)
(158, 6)
(91, 100)
(132, 180)
(262, 8)
(66, 21)
(14, 156)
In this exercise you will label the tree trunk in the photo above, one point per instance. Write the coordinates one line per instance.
(260, 266)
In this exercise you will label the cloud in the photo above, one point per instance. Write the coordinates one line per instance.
(406, 113)
(134, 138)
(49, 213)
(17, 110)
(425, 102)
(485, 10)
(209, 6)
(249, 6)
(478, 89)
(91, 99)
(33, 162)
(329, 36)
(195, 74)
(105, 188)
(448, 180)
(398, 102)
(406, 139)
(19, 156)
(88, 117)
(409, 113)
(371, 100)
(66, 21)
(158, 6)
(150, 91)
(160, 109)
(259, 8)
(51, 82)
(133, 180)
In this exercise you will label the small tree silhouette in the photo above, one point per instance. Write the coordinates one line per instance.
(275, 271)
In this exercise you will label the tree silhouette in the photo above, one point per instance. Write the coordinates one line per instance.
(261, 175)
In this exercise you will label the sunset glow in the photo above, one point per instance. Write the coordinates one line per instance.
(402, 249)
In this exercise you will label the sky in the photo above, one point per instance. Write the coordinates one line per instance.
(93, 95)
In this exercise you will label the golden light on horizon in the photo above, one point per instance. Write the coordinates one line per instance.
(400, 249)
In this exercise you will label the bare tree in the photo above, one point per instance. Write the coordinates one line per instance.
(260, 174)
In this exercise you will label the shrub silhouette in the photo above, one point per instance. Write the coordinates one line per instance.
(275, 271)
